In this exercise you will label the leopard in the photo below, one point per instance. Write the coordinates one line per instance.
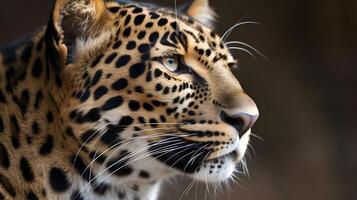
(112, 98)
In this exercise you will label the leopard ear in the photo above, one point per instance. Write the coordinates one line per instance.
(201, 11)
(73, 20)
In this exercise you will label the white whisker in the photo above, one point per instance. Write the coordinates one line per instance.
(249, 46)
(227, 33)
(242, 49)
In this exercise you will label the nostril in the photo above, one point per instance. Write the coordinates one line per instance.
(241, 122)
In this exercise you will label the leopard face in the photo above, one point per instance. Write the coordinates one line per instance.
(150, 90)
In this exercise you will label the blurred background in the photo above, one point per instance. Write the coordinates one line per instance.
(306, 93)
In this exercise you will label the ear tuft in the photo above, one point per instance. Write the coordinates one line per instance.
(201, 11)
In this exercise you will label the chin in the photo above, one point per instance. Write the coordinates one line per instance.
(222, 168)
(217, 170)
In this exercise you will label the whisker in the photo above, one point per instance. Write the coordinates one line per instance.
(85, 142)
(103, 171)
(133, 154)
(122, 145)
(249, 46)
(242, 49)
(257, 136)
(228, 32)
(146, 155)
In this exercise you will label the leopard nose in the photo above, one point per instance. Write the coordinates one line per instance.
(242, 122)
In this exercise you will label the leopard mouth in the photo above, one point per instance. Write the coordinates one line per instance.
(180, 154)
(185, 155)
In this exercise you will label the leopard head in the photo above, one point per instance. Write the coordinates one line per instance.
(149, 89)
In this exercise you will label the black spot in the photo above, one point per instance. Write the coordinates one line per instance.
(149, 25)
(4, 157)
(144, 174)
(49, 117)
(89, 135)
(139, 19)
(157, 73)
(80, 167)
(136, 70)
(148, 77)
(117, 44)
(31, 196)
(158, 87)
(120, 84)
(85, 96)
(113, 10)
(35, 128)
(174, 25)
(141, 35)
(15, 132)
(154, 15)
(26, 170)
(110, 136)
(143, 48)
(134, 105)
(97, 77)
(131, 45)
(127, 20)
(153, 122)
(113, 103)
(127, 32)
(122, 61)
(118, 165)
(123, 12)
(92, 115)
(148, 107)
(162, 22)
(97, 60)
(99, 92)
(47, 146)
(37, 68)
(139, 89)
(166, 90)
(58, 180)
(165, 41)
(137, 10)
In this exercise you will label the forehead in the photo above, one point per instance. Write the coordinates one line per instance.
(176, 31)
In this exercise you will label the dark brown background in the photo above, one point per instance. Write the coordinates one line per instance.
(306, 94)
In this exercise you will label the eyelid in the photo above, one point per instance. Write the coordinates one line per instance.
(167, 55)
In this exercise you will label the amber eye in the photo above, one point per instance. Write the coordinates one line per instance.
(171, 63)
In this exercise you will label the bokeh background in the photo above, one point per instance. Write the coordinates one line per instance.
(306, 93)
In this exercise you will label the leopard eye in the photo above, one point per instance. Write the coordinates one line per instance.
(171, 63)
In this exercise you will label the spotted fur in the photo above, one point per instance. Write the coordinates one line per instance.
(111, 98)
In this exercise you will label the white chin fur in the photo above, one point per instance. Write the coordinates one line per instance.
(222, 169)
(209, 174)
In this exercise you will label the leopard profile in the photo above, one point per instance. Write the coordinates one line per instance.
(111, 98)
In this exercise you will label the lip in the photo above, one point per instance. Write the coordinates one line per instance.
(232, 155)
